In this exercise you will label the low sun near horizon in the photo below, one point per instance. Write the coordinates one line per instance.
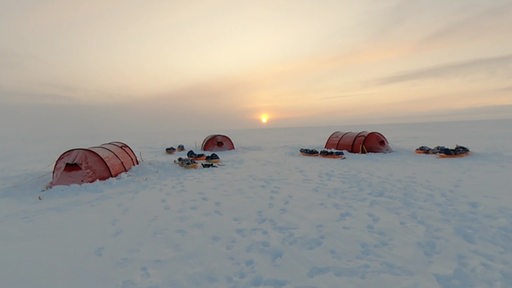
(264, 118)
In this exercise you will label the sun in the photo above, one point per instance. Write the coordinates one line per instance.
(264, 118)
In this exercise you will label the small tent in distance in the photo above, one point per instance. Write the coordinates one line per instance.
(86, 165)
(362, 142)
(217, 142)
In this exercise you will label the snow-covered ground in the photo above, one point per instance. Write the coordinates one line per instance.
(267, 217)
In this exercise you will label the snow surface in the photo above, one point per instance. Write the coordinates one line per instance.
(267, 217)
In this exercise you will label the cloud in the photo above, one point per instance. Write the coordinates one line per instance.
(504, 89)
(474, 24)
(473, 113)
(488, 65)
(16, 98)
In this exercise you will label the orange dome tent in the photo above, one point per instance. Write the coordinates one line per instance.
(362, 142)
(217, 142)
(80, 165)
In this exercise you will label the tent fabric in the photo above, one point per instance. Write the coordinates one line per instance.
(86, 165)
(217, 142)
(362, 142)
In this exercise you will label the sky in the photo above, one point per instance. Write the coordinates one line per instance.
(223, 64)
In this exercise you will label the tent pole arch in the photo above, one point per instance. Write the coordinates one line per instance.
(128, 151)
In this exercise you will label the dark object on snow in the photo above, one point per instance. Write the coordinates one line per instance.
(458, 151)
(181, 148)
(428, 150)
(332, 154)
(443, 151)
(192, 155)
(308, 152)
(170, 150)
(186, 163)
(424, 150)
(438, 149)
(208, 165)
(213, 158)
(461, 149)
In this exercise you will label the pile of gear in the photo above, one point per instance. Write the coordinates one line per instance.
(194, 160)
(171, 150)
(322, 153)
(443, 151)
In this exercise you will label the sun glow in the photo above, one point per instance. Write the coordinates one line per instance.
(264, 118)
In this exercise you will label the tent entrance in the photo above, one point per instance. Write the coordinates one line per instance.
(71, 167)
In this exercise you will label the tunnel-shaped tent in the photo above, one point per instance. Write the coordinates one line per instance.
(362, 142)
(217, 142)
(86, 165)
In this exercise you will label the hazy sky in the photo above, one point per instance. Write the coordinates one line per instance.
(224, 63)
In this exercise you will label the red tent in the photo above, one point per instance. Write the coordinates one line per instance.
(217, 142)
(362, 142)
(80, 165)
